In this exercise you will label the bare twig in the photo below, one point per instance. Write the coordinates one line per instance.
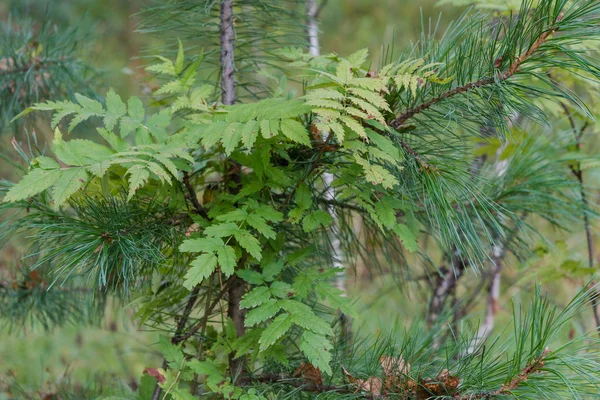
(578, 173)
(180, 327)
(445, 286)
(192, 197)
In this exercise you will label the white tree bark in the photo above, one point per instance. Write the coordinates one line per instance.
(314, 50)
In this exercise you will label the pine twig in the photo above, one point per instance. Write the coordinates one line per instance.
(513, 69)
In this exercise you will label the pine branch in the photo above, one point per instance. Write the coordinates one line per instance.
(532, 367)
(512, 70)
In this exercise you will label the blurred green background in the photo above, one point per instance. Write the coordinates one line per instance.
(118, 347)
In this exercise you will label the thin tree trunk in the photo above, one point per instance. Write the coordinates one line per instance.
(227, 53)
(237, 289)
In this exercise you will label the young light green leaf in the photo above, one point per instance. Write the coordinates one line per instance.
(45, 163)
(157, 124)
(250, 276)
(249, 134)
(295, 131)
(138, 176)
(231, 137)
(180, 59)
(115, 109)
(36, 181)
(69, 182)
(409, 240)
(113, 140)
(304, 316)
(134, 118)
(358, 58)
(354, 126)
(207, 244)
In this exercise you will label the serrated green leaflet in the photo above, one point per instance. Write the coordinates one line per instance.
(276, 329)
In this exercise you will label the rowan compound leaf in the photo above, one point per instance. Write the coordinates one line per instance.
(69, 182)
(115, 109)
(261, 226)
(113, 140)
(89, 108)
(316, 219)
(201, 268)
(172, 353)
(305, 317)
(249, 134)
(268, 212)
(231, 137)
(335, 297)
(303, 197)
(255, 297)
(358, 58)
(157, 124)
(354, 126)
(409, 240)
(271, 270)
(45, 163)
(221, 230)
(281, 289)
(180, 59)
(316, 349)
(207, 245)
(265, 130)
(250, 276)
(265, 311)
(227, 260)
(276, 329)
(80, 152)
(249, 243)
(134, 118)
(344, 72)
(295, 131)
(36, 181)
(138, 176)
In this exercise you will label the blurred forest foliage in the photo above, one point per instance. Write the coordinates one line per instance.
(118, 51)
